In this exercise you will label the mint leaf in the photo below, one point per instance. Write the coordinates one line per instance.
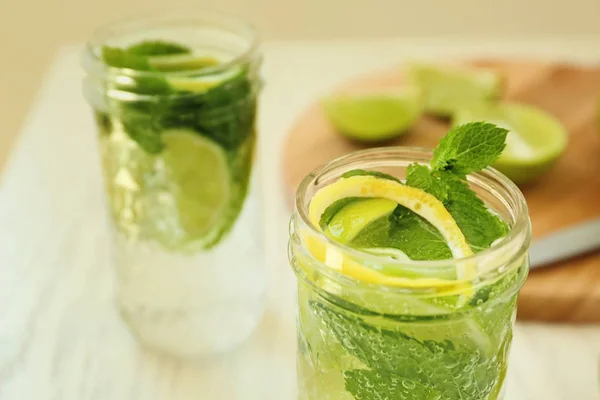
(120, 58)
(476, 222)
(399, 366)
(144, 129)
(465, 149)
(474, 219)
(103, 122)
(469, 148)
(362, 172)
(226, 113)
(157, 48)
(334, 208)
(416, 237)
(419, 176)
(371, 385)
(405, 231)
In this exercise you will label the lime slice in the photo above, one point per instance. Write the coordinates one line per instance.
(448, 89)
(374, 117)
(181, 62)
(393, 254)
(416, 200)
(202, 83)
(534, 142)
(200, 175)
(354, 217)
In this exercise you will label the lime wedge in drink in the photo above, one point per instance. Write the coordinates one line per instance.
(391, 253)
(200, 175)
(384, 195)
(448, 89)
(534, 142)
(202, 83)
(374, 117)
(354, 217)
(181, 62)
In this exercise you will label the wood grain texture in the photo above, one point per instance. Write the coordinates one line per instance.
(569, 193)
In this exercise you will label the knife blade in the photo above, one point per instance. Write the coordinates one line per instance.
(566, 243)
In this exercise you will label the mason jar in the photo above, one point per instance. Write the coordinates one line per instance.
(362, 340)
(174, 98)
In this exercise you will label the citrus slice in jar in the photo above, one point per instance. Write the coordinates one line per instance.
(388, 194)
(200, 175)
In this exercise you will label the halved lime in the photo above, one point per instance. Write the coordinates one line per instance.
(200, 177)
(448, 89)
(374, 117)
(535, 140)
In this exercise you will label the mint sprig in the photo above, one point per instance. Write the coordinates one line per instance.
(419, 176)
(466, 149)
(120, 58)
(408, 232)
(399, 366)
(474, 219)
(225, 113)
(469, 148)
(136, 56)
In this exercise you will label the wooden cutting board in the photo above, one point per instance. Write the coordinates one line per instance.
(569, 193)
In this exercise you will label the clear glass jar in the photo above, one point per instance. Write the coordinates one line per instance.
(359, 340)
(177, 142)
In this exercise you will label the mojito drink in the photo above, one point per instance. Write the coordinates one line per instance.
(177, 140)
(409, 265)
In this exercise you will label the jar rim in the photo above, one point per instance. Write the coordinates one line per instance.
(93, 63)
(520, 230)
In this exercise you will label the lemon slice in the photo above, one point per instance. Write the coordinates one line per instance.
(534, 142)
(374, 117)
(416, 200)
(448, 89)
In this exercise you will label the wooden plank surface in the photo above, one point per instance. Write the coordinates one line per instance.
(569, 193)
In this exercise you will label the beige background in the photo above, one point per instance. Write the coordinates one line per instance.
(31, 30)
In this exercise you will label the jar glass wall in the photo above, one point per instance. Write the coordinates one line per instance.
(364, 340)
(174, 97)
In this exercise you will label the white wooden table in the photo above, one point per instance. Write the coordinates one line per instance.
(60, 338)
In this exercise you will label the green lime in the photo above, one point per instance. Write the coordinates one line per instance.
(374, 117)
(534, 142)
(388, 252)
(448, 89)
(202, 83)
(200, 176)
(347, 223)
(181, 62)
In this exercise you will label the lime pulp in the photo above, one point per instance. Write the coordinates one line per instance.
(374, 117)
(200, 176)
(448, 89)
(534, 143)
